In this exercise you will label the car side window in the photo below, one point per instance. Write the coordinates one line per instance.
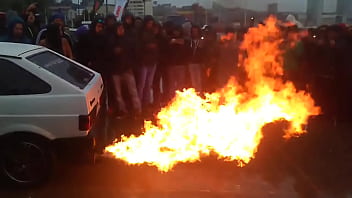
(15, 80)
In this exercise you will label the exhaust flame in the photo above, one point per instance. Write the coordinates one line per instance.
(227, 122)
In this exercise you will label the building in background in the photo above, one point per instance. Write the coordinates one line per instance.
(327, 11)
(314, 12)
(207, 4)
(163, 10)
(136, 7)
(273, 8)
(148, 7)
(140, 7)
(344, 11)
(230, 3)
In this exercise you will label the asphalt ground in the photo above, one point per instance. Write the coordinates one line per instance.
(317, 164)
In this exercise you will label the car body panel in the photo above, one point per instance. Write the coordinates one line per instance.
(55, 114)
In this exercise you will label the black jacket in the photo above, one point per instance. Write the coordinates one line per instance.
(149, 48)
(124, 55)
(97, 53)
(178, 53)
(195, 51)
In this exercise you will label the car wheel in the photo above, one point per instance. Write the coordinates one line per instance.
(26, 161)
(90, 155)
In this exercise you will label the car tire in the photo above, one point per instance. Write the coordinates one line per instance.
(90, 156)
(25, 160)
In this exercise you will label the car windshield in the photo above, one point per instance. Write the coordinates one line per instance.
(63, 68)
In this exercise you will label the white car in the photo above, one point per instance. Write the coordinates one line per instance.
(45, 99)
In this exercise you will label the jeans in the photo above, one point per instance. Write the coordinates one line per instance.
(159, 85)
(176, 79)
(145, 83)
(195, 71)
(126, 78)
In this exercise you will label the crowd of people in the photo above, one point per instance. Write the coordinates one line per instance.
(324, 67)
(144, 62)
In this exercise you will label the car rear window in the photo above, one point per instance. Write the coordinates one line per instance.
(63, 68)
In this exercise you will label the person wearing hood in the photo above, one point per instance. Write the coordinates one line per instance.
(176, 70)
(56, 42)
(30, 16)
(91, 46)
(82, 45)
(110, 23)
(92, 51)
(16, 33)
(32, 26)
(148, 51)
(122, 73)
(97, 41)
(110, 34)
(195, 47)
(128, 23)
(58, 19)
(138, 24)
(130, 30)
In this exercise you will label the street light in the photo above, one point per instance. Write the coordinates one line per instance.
(78, 7)
(144, 7)
(244, 8)
(106, 7)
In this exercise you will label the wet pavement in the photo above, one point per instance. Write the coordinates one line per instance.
(112, 178)
(315, 165)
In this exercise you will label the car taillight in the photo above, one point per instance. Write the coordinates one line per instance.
(84, 122)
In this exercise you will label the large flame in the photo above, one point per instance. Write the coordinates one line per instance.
(227, 122)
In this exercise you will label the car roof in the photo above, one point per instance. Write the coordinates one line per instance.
(16, 49)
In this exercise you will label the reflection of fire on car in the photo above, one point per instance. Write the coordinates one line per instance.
(46, 101)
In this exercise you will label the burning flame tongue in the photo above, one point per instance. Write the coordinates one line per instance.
(227, 122)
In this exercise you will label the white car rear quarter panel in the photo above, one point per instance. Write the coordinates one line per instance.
(53, 115)
(51, 127)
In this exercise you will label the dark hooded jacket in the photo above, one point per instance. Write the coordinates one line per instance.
(178, 52)
(149, 45)
(10, 37)
(98, 50)
(91, 49)
(32, 30)
(42, 33)
(83, 46)
(110, 29)
(130, 29)
(124, 54)
(195, 49)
